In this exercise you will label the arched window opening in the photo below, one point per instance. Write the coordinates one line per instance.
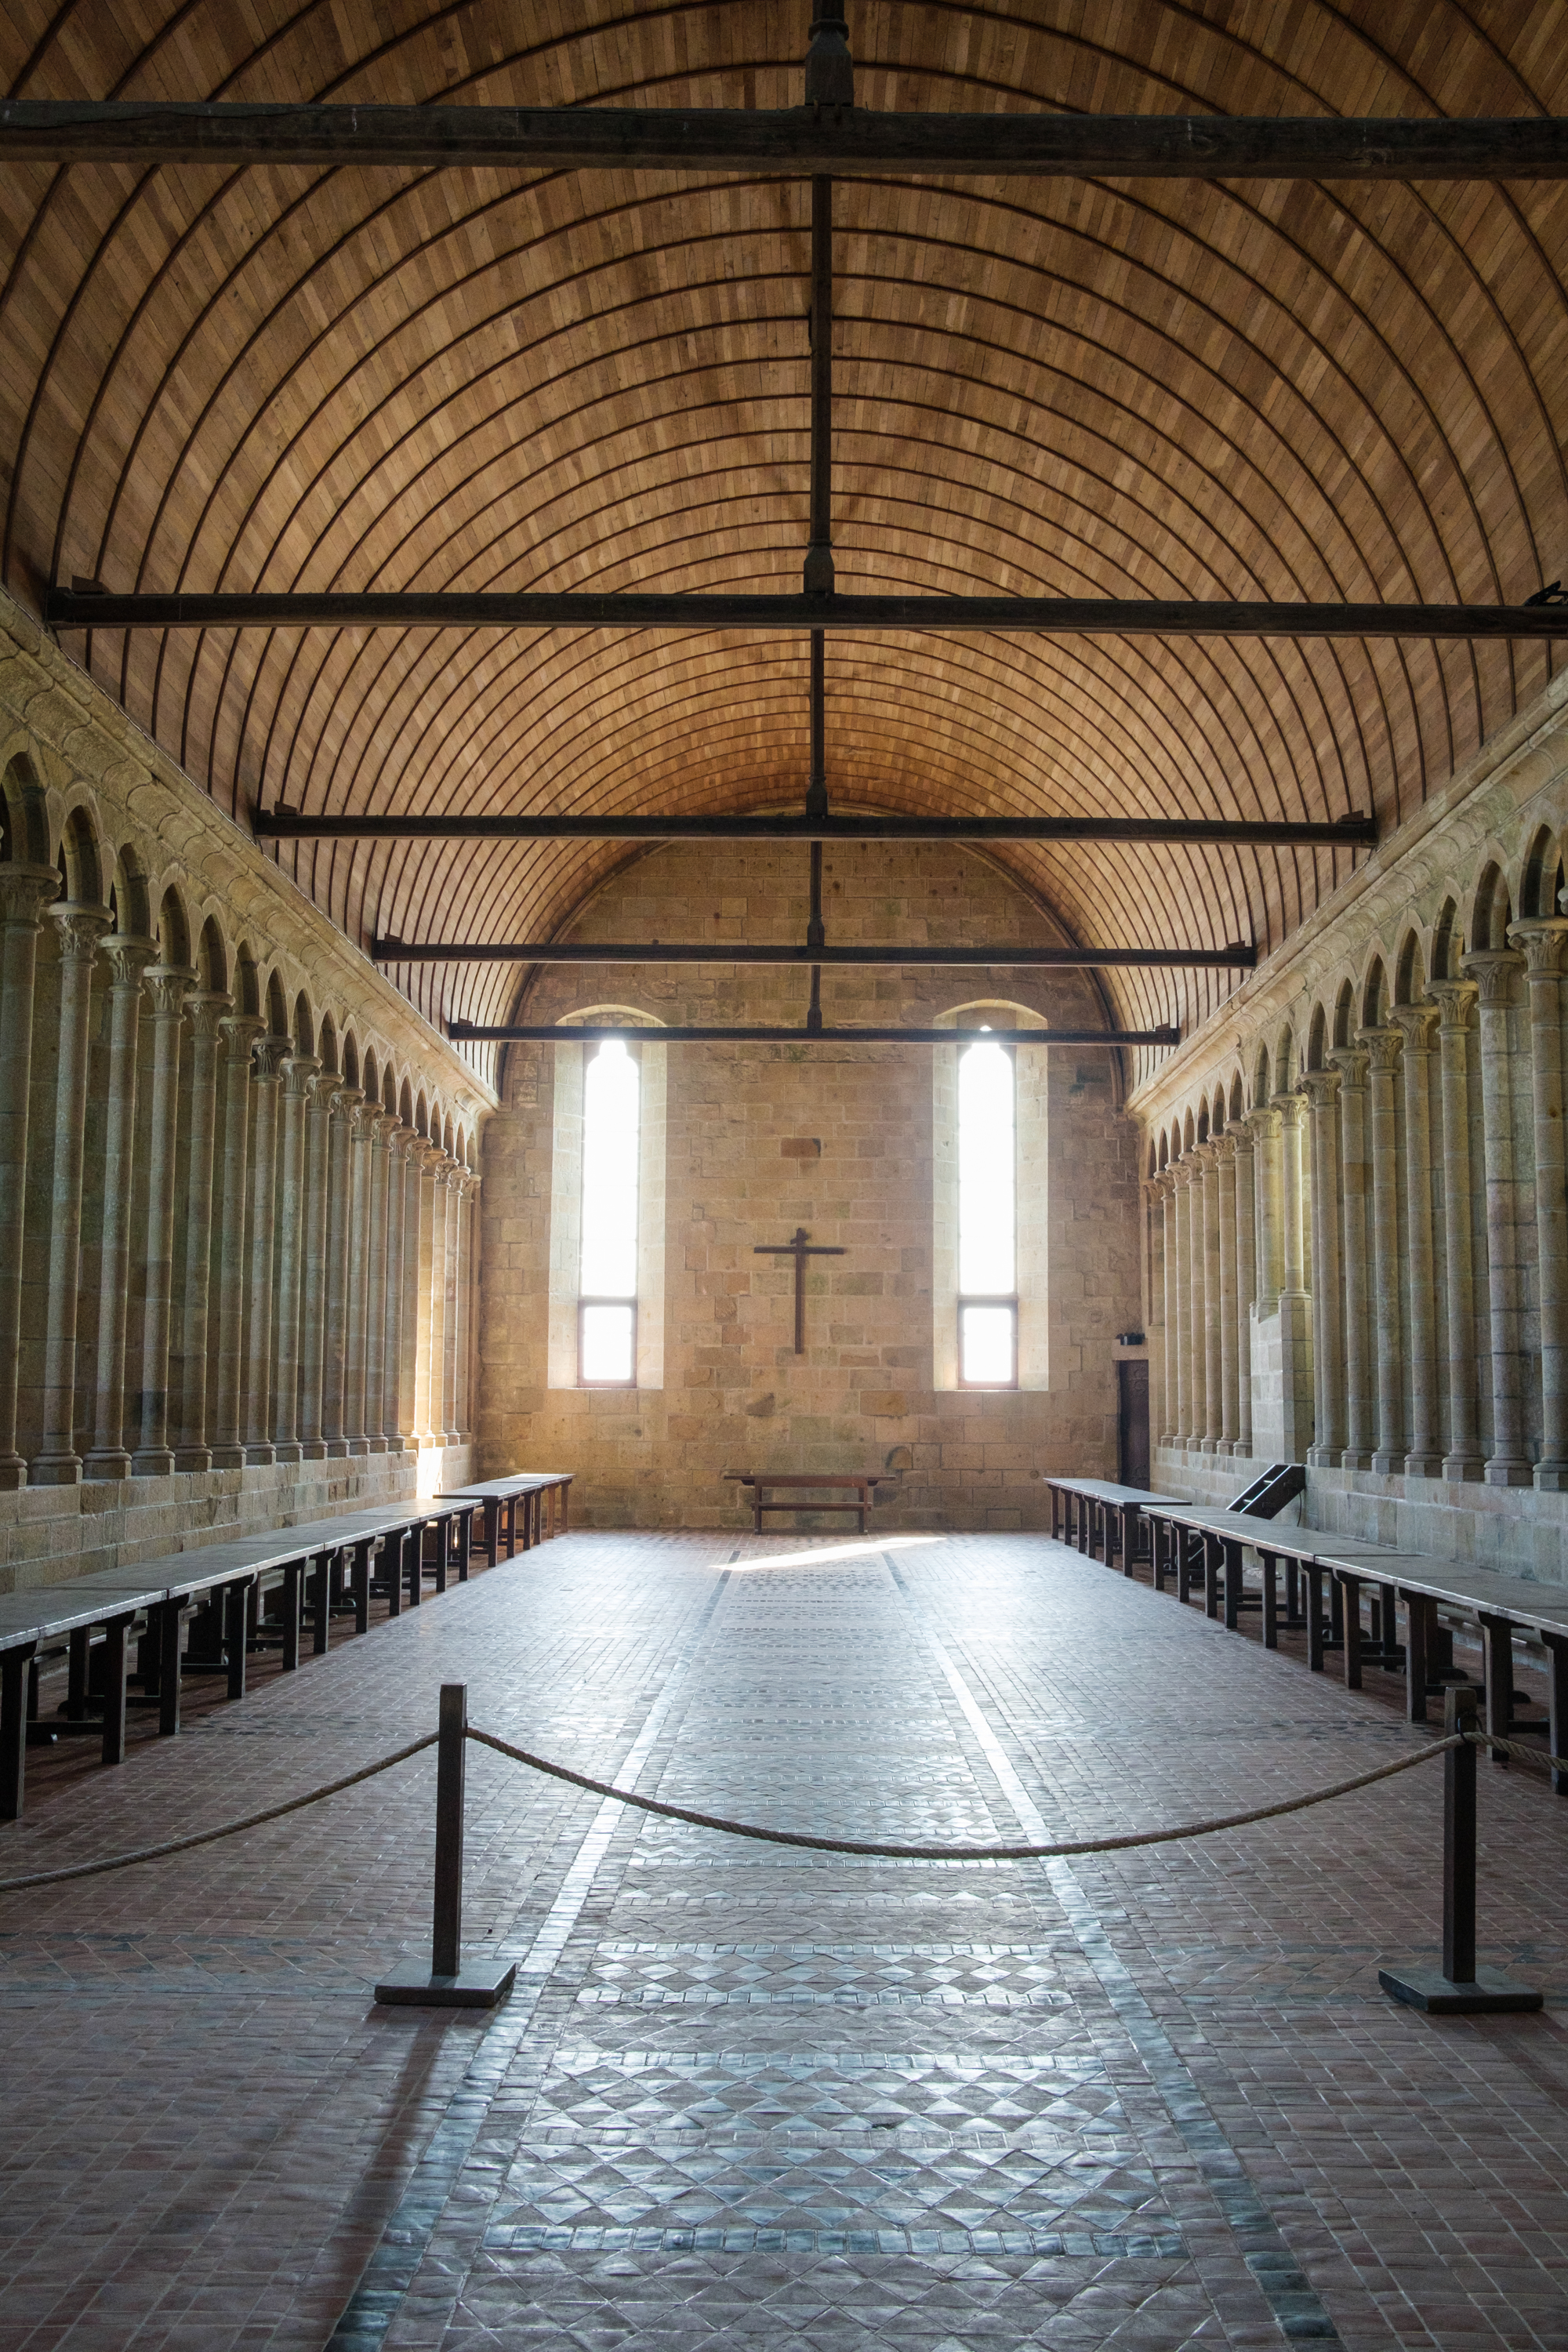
(987, 1219)
(607, 1278)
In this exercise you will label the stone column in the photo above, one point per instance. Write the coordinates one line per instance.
(167, 986)
(1165, 1189)
(1321, 1088)
(241, 1031)
(1182, 1178)
(1356, 1180)
(289, 1242)
(1224, 1164)
(1293, 1231)
(430, 1294)
(320, 1089)
(1266, 1125)
(1493, 970)
(81, 929)
(1207, 1239)
(334, 1390)
(108, 1456)
(1543, 942)
(260, 1365)
(452, 1183)
(376, 1303)
(192, 1450)
(361, 1127)
(1382, 1049)
(391, 1350)
(1425, 1458)
(24, 892)
(408, 1422)
(467, 1190)
(1246, 1284)
(1454, 1001)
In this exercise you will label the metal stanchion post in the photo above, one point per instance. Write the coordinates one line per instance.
(482, 1980)
(1460, 1986)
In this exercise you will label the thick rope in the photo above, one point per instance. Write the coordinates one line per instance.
(962, 1852)
(227, 1829)
(1525, 1755)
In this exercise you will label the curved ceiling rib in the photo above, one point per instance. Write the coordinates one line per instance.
(373, 378)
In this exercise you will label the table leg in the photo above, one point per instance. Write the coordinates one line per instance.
(236, 1599)
(1350, 1588)
(1314, 1579)
(464, 1542)
(14, 1665)
(1214, 1554)
(360, 1585)
(115, 1636)
(1557, 1702)
(1270, 1566)
(757, 1509)
(442, 1531)
(293, 1586)
(1417, 1620)
(413, 1564)
(1497, 1648)
(76, 1672)
(322, 1603)
(1231, 1584)
(169, 1615)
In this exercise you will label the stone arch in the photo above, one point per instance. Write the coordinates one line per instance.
(1318, 1039)
(173, 933)
(211, 958)
(1345, 1012)
(422, 1117)
(389, 1092)
(276, 1007)
(1187, 1135)
(1374, 995)
(1445, 939)
(1490, 912)
(24, 813)
(1164, 1149)
(1260, 1079)
(1541, 876)
(370, 1076)
(304, 1027)
(1217, 1114)
(1237, 1100)
(1410, 978)
(351, 1059)
(81, 860)
(127, 896)
(246, 980)
(406, 1107)
(1285, 1061)
(1202, 1133)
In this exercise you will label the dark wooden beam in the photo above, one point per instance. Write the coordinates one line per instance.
(284, 824)
(463, 1033)
(1239, 956)
(1092, 616)
(796, 140)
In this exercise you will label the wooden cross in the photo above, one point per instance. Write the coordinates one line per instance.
(800, 1249)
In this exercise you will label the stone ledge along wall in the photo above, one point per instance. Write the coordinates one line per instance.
(843, 1140)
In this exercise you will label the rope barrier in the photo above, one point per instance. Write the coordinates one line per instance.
(1062, 1847)
(226, 1829)
(962, 1852)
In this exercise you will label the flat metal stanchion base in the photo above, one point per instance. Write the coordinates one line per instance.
(480, 1983)
(1429, 1990)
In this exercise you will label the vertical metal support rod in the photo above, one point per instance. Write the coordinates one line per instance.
(1459, 1841)
(450, 1751)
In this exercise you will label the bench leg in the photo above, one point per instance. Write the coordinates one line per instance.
(392, 1570)
(76, 1674)
(1232, 1585)
(115, 1636)
(1557, 1702)
(414, 1565)
(293, 1584)
(1497, 1648)
(14, 1665)
(1214, 1557)
(322, 1603)
(465, 1544)
(361, 1586)
(1417, 1620)
(1314, 1577)
(1271, 1600)
(1350, 1587)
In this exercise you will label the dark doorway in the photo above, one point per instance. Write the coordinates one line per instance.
(1133, 1420)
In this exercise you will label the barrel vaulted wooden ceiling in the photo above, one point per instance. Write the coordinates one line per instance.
(406, 378)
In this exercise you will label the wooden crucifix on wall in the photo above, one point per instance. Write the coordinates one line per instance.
(800, 1249)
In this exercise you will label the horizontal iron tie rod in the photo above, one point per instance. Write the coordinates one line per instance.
(791, 140)
(467, 1032)
(1239, 956)
(577, 608)
(284, 824)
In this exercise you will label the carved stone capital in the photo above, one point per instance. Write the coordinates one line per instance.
(1418, 1022)
(168, 985)
(1224, 1146)
(241, 1030)
(1320, 1086)
(81, 931)
(299, 1069)
(320, 1088)
(1456, 1002)
(207, 1007)
(1493, 970)
(1384, 1048)
(1265, 1123)
(1289, 1106)
(24, 892)
(129, 957)
(345, 1099)
(1351, 1062)
(270, 1053)
(1182, 1171)
(1542, 938)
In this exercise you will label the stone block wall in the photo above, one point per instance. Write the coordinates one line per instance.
(839, 1139)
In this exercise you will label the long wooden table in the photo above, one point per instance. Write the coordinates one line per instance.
(527, 1506)
(1330, 1580)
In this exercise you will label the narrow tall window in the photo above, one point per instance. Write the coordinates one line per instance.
(987, 1223)
(608, 1283)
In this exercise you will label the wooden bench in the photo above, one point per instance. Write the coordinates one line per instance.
(764, 1483)
(251, 1593)
(526, 1508)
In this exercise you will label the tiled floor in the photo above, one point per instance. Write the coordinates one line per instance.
(749, 2096)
